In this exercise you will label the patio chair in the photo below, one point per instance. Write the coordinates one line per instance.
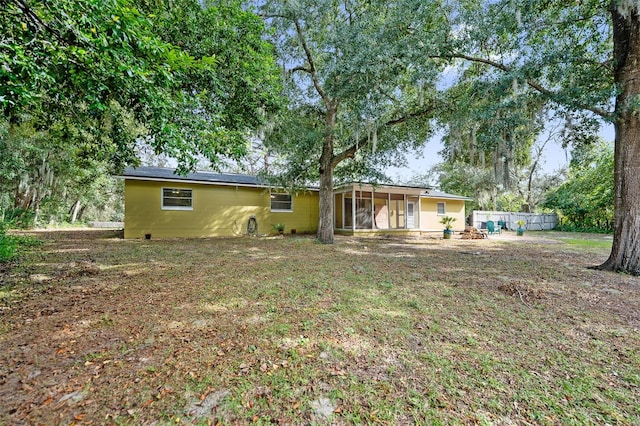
(492, 228)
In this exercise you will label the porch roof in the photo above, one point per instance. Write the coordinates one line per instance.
(420, 191)
(369, 187)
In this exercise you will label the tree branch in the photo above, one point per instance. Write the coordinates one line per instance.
(532, 83)
(312, 66)
(365, 141)
(300, 68)
(33, 17)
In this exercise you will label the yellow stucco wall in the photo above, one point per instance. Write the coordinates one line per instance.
(430, 220)
(217, 211)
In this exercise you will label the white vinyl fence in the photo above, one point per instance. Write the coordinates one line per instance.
(533, 221)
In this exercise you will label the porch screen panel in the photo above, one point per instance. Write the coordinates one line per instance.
(381, 212)
(397, 214)
(338, 212)
(363, 214)
(348, 220)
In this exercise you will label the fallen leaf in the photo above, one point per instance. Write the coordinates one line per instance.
(205, 393)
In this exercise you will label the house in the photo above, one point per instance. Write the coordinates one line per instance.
(161, 204)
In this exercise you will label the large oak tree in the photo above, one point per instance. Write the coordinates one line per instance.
(583, 57)
(361, 85)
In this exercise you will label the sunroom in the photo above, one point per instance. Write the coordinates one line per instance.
(364, 207)
(393, 209)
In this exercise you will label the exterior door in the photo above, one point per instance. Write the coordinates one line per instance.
(411, 216)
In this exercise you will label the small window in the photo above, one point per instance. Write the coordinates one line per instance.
(177, 199)
(281, 202)
(442, 208)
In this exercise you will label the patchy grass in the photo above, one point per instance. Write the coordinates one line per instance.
(588, 243)
(595, 241)
(286, 330)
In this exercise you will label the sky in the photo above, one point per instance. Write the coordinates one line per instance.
(554, 157)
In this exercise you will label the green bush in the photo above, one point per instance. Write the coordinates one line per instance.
(12, 245)
(7, 248)
(7, 245)
(17, 219)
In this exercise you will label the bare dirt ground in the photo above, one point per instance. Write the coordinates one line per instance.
(95, 329)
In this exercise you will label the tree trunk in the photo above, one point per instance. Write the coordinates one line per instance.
(36, 213)
(506, 162)
(472, 146)
(74, 211)
(625, 252)
(81, 212)
(325, 221)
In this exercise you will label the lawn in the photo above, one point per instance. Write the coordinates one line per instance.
(95, 329)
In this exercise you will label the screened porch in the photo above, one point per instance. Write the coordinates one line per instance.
(364, 207)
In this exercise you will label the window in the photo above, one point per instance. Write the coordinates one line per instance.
(177, 199)
(281, 202)
(441, 208)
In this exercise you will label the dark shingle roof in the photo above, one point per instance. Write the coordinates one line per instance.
(165, 174)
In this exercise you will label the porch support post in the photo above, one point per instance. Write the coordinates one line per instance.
(342, 209)
(373, 208)
(406, 208)
(353, 208)
(333, 201)
(389, 209)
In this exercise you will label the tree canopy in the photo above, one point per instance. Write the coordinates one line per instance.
(581, 58)
(361, 86)
(92, 81)
(586, 198)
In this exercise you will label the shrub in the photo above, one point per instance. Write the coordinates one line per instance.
(12, 245)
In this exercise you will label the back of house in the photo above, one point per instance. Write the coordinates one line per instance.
(161, 204)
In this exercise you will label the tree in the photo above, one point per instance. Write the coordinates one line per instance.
(586, 198)
(234, 94)
(582, 56)
(493, 126)
(360, 83)
(89, 82)
(472, 181)
(198, 90)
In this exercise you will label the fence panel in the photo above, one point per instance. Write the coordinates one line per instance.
(533, 221)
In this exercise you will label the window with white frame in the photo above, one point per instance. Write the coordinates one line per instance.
(177, 199)
(281, 203)
(442, 208)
